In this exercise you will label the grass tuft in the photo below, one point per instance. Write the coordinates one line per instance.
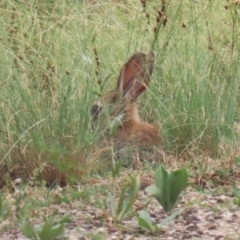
(55, 57)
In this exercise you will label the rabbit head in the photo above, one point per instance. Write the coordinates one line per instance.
(120, 105)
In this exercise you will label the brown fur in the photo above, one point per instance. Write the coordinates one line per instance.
(134, 131)
(121, 104)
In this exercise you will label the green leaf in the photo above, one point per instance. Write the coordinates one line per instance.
(111, 200)
(178, 181)
(28, 230)
(161, 177)
(236, 191)
(116, 167)
(153, 190)
(170, 218)
(144, 220)
(37, 228)
(168, 187)
(144, 224)
(127, 206)
(4, 208)
(64, 220)
(121, 201)
(50, 232)
(237, 159)
(162, 182)
(1, 204)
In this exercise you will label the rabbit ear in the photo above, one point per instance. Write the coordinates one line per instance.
(135, 74)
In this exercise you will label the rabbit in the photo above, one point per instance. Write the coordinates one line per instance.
(119, 108)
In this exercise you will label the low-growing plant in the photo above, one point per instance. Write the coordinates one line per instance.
(146, 223)
(236, 193)
(126, 200)
(4, 208)
(237, 160)
(51, 229)
(168, 187)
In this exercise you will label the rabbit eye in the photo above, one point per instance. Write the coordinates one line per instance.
(96, 109)
(114, 98)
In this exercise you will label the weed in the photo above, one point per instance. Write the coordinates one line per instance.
(48, 231)
(125, 203)
(168, 187)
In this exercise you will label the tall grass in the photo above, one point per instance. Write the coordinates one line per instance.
(48, 77)
(199, 78)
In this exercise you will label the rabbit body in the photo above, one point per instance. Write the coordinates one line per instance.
(119, 107)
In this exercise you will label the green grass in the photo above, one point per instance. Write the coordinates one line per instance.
(48, 78)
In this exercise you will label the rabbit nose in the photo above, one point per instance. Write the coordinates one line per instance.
(96, 109)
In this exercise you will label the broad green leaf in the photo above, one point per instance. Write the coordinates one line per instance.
(46, 231)
(153, 190)
(161, 177)
(162, 182)
(168, 187)
(178, 181)
(144, 224)
(144, 220)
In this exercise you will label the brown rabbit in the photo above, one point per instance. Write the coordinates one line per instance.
(119, 108)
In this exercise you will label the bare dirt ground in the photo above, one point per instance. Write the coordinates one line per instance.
(207, 214)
